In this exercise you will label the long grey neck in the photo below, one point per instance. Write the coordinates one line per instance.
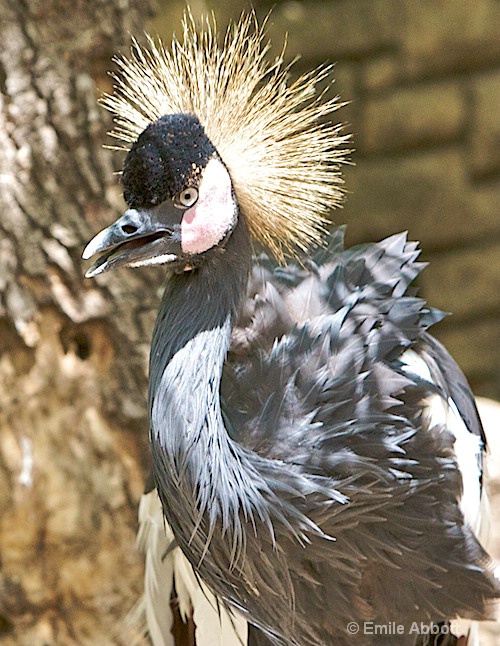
(191, 449)
(198, 305)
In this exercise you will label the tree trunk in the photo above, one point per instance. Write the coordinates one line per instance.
(73, 353)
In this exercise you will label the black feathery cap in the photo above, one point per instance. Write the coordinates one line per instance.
(166, 158)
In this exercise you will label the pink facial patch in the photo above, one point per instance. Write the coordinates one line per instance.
(208, 221)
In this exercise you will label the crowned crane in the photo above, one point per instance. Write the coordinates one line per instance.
(317, 454)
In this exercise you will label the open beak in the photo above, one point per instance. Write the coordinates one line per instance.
(140, 237)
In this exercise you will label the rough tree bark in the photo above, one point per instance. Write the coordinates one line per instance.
(73, 354)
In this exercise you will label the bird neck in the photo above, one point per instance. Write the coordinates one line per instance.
(200, 303)
(189, 347)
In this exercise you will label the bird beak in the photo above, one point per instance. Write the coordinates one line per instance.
(140, 237)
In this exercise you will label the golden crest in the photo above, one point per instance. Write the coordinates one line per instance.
(273, 135)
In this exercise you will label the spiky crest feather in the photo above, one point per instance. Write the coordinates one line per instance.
(282, 158)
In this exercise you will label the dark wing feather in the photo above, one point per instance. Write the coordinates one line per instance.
(452, 382)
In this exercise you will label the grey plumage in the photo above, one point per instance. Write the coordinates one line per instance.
(331, 500)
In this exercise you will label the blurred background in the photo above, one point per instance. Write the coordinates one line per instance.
(423, 84)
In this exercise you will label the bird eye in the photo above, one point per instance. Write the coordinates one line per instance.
(186, 198)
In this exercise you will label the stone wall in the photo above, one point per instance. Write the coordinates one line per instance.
(423, 79)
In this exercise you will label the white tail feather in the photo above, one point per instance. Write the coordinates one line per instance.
(214, 624)
(153, 541)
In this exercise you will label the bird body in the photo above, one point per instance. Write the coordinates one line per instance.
(324, 449)
(316, 453)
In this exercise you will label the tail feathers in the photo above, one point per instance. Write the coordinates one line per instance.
(214, 624)
(489, 411)
(455, 633)
(153, 540)
(166, 568)
(466, 632)
(473, 638)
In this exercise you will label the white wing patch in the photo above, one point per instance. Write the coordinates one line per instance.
(468, 451)
(468, 447)
(214, 624)
(469, 456)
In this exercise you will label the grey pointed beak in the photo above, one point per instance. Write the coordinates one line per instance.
(139, 237)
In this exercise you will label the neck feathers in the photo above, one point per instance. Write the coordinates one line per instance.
(192, 453)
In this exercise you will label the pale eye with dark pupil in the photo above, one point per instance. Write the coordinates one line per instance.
(186, 198)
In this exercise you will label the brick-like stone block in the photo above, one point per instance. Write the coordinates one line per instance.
(413, 116)
(345, 81)
(343, 29)
(485, 208)
(380, 73)
(485, 130)
(345, 86)
(440, 36)
(465, 282)
(427, 194)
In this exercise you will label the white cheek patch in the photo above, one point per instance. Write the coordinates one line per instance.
(207, 222)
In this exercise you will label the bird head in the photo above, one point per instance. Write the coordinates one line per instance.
(180, 197)
(214, 133)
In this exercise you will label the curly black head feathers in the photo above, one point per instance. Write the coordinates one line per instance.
(167, 156)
